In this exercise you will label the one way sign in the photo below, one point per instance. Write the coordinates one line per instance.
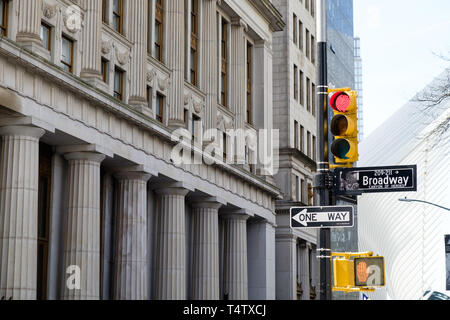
(322, 217)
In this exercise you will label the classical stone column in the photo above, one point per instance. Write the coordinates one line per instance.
(131, 236)
(82, 233)
(209, 63)
(205, 251)
(19, 170)
(286, 273)
(235, 279)
(91, 57)
(303, 260)
(174, 56)
(170, 255)
(261, 260)
(29, 24)
(138, 35)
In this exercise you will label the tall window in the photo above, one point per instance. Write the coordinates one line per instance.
(149, 97)
(295, 82)
(118, 83)
(302, 187)
(104, 11)
(313, 98)
(302, 88)
(308, 45)
(159, 108)
(46, 32)
(45, 160)
(224, 146)
(313, 49)
(314, 148)
(104, 69)
(308, 144)
(224, 64)
(308, 94)
(195, 133)
(296, 134)
(300, 35)
(67, 54)
(297, 188)
(159, 29)
(194, 43)
(302, 139)
(294, 24)
(249, 83)
(4, 17)
(118, 15)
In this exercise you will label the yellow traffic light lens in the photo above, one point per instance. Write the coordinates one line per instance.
(340, 148)
(339, 125)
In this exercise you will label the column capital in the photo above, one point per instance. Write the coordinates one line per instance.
(172, 188)
(33, 132)
(199, 202)
(26, 121)
(239, 22)
(133, 173)
(90, 152)
(234, 216)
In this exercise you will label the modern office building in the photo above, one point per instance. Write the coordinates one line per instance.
(295, 116)
(93, 204)
(412, 236)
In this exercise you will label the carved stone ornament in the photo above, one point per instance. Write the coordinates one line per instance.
(151, 74)
(106, 47)
(163, 83)
(73, 18)
(122, 57)
(49, 11)
(198, 107)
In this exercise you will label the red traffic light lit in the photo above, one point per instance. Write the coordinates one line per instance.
(340, 101)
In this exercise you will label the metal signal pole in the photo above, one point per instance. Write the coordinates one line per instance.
(321, 181)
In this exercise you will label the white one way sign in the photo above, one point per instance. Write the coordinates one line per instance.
(322, 217)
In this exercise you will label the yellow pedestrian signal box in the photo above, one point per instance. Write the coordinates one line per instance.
(343, 273)
(355, 272)
(369, 272)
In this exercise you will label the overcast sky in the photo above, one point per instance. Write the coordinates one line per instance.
(400, 44)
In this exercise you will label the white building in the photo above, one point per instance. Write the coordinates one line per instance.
(90, 93)
(411, 236)
(295, 79)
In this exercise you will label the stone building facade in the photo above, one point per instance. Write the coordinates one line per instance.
(295, 79)
(92, 204)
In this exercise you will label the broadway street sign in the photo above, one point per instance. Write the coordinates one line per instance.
(322, 217)
(356, 181)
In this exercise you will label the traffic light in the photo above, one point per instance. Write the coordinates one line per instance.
(344, 126)
(369, 272)
(356, 272)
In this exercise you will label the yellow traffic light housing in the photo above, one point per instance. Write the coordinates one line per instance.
(356, 272)
(344, 126)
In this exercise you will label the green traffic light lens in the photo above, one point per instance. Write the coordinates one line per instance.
(340, 148)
